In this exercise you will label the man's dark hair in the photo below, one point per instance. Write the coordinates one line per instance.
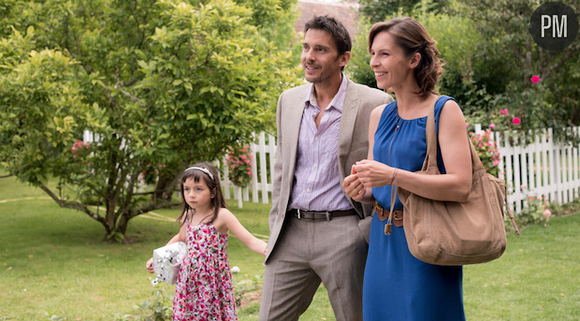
(335, 28)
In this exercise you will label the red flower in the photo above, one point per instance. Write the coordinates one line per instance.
(535, 79)
(516, 121)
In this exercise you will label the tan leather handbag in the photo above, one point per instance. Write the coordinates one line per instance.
(456, 233)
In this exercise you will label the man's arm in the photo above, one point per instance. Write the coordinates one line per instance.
(277, 170)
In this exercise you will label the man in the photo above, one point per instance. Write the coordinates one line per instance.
(314, 228)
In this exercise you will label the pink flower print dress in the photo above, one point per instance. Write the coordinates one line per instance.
(204, 287)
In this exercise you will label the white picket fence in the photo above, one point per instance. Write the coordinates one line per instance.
(541, 169)
(261, 184)
(544, 167)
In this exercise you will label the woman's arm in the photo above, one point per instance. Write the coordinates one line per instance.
(456, 154)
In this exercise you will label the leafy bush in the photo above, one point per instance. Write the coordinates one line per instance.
(159, 308)
(487, 150)
(537, 210)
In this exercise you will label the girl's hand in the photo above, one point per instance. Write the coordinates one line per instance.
(149, 266)
(374, 174)
(353, 187)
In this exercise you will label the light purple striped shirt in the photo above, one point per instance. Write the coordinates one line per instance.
(316, 177)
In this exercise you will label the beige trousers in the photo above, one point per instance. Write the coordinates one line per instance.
(332, 252)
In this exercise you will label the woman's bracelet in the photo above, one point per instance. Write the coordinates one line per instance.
(394, 175)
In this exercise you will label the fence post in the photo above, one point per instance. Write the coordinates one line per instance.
(263, 169)
(254, 166)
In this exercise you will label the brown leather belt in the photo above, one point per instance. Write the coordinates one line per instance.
(384, 214)
(320, 215)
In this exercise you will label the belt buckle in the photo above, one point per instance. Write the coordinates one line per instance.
(298, 212)
(380, 211)
(396, 217)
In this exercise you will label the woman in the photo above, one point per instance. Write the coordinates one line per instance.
(397, 286)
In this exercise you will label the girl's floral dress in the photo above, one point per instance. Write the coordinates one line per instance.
(204, 288)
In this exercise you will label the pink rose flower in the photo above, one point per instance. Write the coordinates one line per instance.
(535, 79)
(491, 126)
(503, 112)
(495, 162)
(516, 121)
(547, 213)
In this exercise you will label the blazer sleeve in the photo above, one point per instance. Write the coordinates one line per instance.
(277, 171)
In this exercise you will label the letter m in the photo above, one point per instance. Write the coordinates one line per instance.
(559, 28)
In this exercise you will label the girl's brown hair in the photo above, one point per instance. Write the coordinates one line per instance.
(413, 38)
(213, 183)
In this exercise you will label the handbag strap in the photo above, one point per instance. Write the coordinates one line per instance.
(430, 163)
(389, 225)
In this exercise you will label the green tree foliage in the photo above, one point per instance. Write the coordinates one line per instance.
(358, 68)
(512, 57)
(160, 84)
(378, 10)
(490, 58)
(456, 40)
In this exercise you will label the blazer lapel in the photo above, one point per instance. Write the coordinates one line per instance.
(293, 129)
(347, 122)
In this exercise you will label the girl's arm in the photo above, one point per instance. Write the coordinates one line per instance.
(455, 151)
(352, 184)
(181, 236)
(230, 221)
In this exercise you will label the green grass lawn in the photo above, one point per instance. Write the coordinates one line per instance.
(53, 261)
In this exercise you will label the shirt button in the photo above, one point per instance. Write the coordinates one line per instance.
(315, 164)
(308, 190)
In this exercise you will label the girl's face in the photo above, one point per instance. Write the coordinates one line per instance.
(389, 63)
(197, 194)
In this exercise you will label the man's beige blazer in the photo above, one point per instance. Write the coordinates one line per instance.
(353, 145)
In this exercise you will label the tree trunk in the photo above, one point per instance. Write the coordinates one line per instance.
(164, 188)
(116, 233)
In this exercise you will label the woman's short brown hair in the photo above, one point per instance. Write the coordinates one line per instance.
(412, 37)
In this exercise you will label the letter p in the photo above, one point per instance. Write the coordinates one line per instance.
(544, 25)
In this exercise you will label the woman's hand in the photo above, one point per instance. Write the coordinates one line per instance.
(373, 174)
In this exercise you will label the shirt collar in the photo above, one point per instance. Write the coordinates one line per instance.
(338, 100)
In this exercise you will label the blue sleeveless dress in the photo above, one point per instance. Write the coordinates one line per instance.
(397, 286)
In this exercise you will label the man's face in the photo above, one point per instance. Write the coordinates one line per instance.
(320, 59)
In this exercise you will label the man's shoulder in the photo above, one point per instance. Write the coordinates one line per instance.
(367, 89)
(372, 94)
(297, 89)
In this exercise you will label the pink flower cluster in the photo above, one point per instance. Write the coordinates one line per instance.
(239, 165)
(487, 149)
(78, 145)
(515, 120)
(541, 202)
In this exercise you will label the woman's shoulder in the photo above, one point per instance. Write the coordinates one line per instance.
(447, 104)
(443, 101)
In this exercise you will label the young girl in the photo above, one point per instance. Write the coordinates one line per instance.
(204, 287)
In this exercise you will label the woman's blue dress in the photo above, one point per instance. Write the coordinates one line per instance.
(397, 286)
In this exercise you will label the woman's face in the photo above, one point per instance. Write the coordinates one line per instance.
(389, 63)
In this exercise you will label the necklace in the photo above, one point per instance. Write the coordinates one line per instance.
(397, 126)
